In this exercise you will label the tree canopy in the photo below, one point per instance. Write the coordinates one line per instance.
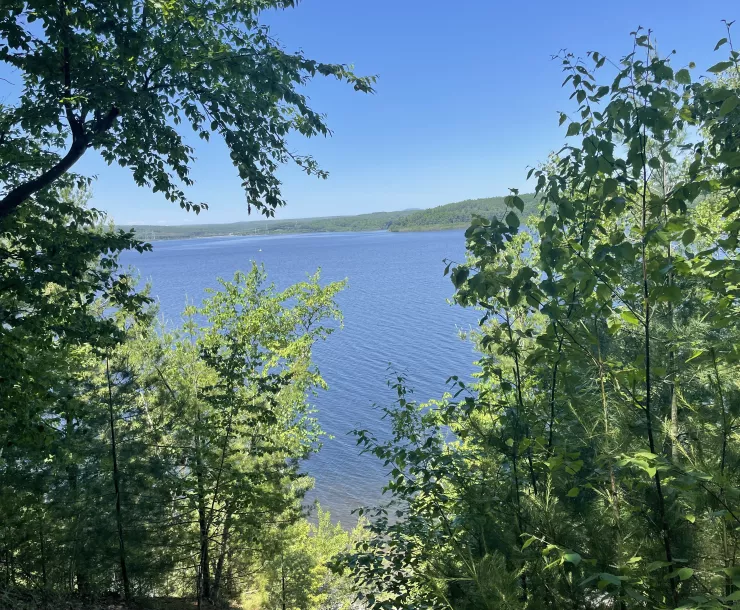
(137, 459)
(594, 463)
(125, 77)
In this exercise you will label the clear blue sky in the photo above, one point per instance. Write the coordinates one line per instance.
(467, 97)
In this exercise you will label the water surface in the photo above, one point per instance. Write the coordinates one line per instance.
(395, 312)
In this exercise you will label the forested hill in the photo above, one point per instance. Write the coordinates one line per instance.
(450, 216)
(378, 221)
(457, 215)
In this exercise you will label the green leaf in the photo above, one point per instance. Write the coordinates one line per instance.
(688, 237)
(573, 558)
(573, 492)
(573, 129)
(729, 105)
(629, 317)
(611, 578)
(459, 276)
(696, 354)
(720, 67)
(666, 156)
(610, 186)
(732, 597)
(528, 542)
(603, 292)
(591, 165)
(646, 454)
(720, 43)
(637, 596)
(512, 220)
(683, 77)
(685, 573)
(730, 158)
(670, 293)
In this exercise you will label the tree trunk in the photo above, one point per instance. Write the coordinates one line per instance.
(79, 581)
(117, 488)
(665, 532)
(42, 542)
(205, 573)
(24, 191)
(282, 574)
(674, 412)
(217, 577)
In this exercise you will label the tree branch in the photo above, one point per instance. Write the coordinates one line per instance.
(80, 144)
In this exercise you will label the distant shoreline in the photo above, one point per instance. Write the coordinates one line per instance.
(442, 218)
(278, 233)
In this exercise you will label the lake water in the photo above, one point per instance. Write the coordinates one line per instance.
(395, 313)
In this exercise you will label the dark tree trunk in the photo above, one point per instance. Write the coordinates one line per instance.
(117, 488)
(218, 576)
(42, 542)
(79, 581)
(205, 572)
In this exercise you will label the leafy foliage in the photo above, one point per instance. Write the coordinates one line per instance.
(59, 272)
(594, 464)
(187, 442)
(297, 575)
(136, 459)
(122, 77)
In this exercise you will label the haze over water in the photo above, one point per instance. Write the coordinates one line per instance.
(395, 312)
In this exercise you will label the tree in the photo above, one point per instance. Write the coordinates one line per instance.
(222, 407)
(59, 273)
(58, 266)
(593, 463)
(131, 458)
(297, 574)
(167, 461)
(122, 77)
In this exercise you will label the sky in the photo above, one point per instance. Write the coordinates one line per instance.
(467, 98)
